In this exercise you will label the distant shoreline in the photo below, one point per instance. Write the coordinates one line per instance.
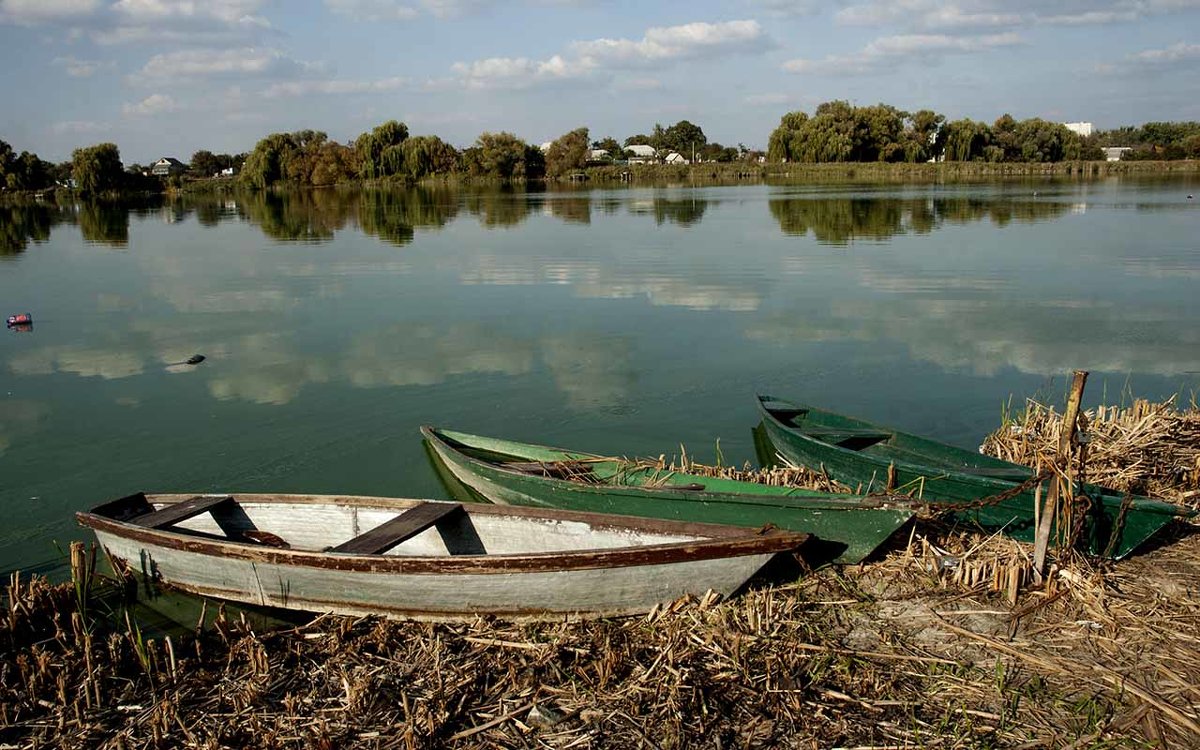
(722, 172)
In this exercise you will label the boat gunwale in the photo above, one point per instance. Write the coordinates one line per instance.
(716, 541)
(831, 502)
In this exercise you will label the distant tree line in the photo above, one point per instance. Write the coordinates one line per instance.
(836, 132)
(841, 132)
(1154, 140)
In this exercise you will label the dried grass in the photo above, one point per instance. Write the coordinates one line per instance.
(947, 641)
(1147, 448)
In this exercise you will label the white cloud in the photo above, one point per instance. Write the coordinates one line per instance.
(672, 43)
(1176, 53)
(373, 10)
(202, 63)
(659, 46)
(397, 10)
(516, 72)
(890, 51)
(983, 14)
(789, 7)
(231, 12)
(28, 12)
(760, 99)
(333, 87)
(81, 68)
(155, 104)
(78, 126)
(638, 84)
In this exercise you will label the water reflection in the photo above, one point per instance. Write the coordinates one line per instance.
(683, 211)
(19, 419)
(988, 334)
(839, 221)
(307, 216)
(393, 215)
(498, 208)
(104, 223)
(21, 224)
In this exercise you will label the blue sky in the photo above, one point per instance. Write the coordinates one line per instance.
(168, 77)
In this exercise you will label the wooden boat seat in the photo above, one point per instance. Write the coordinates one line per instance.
(173, 514)
(404, 526)
(850, 437)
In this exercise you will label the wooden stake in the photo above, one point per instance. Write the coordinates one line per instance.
(1063, 457)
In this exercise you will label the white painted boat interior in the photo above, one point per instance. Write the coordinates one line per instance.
(317, 527)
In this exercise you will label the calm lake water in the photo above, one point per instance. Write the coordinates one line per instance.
(616, 321)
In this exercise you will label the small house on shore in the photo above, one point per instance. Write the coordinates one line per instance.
(167, 166)
(675, 158)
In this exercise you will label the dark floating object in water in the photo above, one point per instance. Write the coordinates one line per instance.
(195, 359)
(20, 319)
(1189, 196)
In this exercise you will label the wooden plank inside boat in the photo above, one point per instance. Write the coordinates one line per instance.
(173, 514)
(404, 526)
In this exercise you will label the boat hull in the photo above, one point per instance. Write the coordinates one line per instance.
(1112, 527)
(851, 528)
(635, 567)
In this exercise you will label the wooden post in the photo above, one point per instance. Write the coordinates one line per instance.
(1050, 509)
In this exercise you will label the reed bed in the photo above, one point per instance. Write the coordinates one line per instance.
(776, 476)
(947, 640)
(923, 648)
(1146, 448)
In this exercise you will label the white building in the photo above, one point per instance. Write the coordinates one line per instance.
(675, 158)
(1083, 128)
(1115, 153)
(598, 154)
(642, 154)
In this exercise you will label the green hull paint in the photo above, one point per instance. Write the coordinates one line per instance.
(857, 452)
(851, 527)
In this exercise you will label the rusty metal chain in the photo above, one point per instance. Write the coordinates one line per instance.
(999, 497)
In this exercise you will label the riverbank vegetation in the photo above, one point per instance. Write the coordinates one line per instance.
(837, 133)
(945, 640)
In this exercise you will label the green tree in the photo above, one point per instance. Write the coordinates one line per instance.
(205, 164)
(680, 137)
(503, 156)
(97, 168)
(24, 172)
(779, 145)
(380, 153)
(966, 140)
(610, 145)
(264, 166)
(426, 155)
(569, 152)
(923, 139)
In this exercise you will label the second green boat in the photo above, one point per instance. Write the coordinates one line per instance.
(504, 471)
(857, 452)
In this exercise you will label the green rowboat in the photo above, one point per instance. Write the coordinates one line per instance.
(514, 473)
(857, 452)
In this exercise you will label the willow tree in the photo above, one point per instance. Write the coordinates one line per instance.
(380, 153)
(426, 155)
(97, 168)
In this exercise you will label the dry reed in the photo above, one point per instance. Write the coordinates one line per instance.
(1147, 448)
(946, 641)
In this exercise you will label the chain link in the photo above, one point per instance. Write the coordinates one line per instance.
(999, 497)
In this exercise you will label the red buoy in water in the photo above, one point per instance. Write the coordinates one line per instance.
(20, 319)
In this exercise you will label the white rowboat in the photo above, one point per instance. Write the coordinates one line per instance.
(424, 559)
